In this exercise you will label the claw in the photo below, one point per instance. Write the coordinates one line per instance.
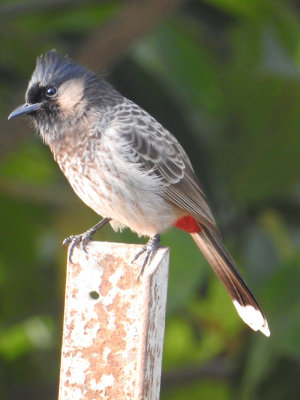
(83, 238)
(75, 240)
(150, 249)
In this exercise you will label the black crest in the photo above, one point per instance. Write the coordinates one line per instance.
(55, 68)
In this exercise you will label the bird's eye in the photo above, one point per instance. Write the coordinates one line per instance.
(50, 91)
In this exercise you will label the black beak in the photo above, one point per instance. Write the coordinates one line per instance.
(24, 109)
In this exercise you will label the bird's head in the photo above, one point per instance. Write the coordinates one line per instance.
(60, 94)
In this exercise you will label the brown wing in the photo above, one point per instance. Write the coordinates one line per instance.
(157, 151)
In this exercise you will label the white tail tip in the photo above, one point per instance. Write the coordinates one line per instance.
(252, 317)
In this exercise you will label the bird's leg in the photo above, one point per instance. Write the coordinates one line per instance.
(151, 249)
(83, 238)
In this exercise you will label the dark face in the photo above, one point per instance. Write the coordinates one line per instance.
(53, 106)
(41, 94)
(61, 93)
(45, 97)
(55, 95)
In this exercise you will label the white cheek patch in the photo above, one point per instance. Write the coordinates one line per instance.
(70, 94)
(252, 317)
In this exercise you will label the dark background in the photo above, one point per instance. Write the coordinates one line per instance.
(223, 76)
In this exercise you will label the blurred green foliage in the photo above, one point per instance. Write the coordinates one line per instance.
(223, 76)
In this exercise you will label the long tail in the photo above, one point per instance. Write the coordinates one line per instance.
(225, 268)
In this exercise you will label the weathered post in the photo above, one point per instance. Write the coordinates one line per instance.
(113, 324)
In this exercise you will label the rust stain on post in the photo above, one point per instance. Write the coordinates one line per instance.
(113, 324)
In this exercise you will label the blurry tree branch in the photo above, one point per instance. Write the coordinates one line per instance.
(103, 48)
(114, 38)
(217, 369)
(52, 195)
(18, 9)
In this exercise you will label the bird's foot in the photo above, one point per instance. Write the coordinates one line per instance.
(83, 238)
(150, 249)
(74, 240)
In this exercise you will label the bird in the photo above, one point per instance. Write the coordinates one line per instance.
(127, 167)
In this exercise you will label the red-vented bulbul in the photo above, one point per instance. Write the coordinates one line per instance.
(127, 167)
